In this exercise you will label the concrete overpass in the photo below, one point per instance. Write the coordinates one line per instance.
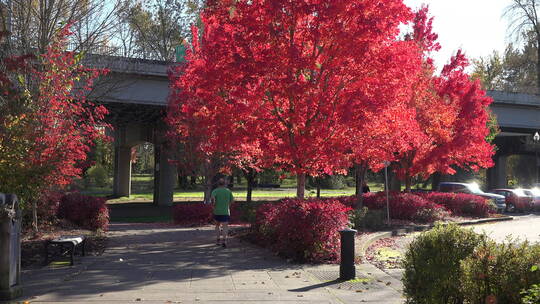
(136, 91)
(518, 116)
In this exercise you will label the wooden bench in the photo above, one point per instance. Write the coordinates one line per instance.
(64, 245)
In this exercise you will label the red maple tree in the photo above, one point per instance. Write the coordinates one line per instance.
(283, 73)
(450, 115)
(47, 125)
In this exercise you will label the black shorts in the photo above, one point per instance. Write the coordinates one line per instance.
(222, 218)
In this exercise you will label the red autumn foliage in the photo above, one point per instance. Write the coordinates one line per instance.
(84, 211)
(305, 230)
(192, 214)
(282, 76)
(462, 204)
(406, 205)
(449, 126)
(47, 125)
(47, 206)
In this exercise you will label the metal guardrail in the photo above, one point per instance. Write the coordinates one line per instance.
(107, 50)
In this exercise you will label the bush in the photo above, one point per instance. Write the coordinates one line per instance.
(406, 206)
(461, 203)
(500, 272)
(243, 212)
(47, 207)
(304, 230)
(84, 211)
(192, 214)
(432, 264)
(269, 177)
(334, 182)
(97, 175)
(531, 295)
(368, 219)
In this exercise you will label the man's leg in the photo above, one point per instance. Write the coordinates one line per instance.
(218, 232)
(225, 232)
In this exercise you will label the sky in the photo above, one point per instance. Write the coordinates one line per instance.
(476, 26)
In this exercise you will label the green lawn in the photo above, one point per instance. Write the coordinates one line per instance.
(142, 190)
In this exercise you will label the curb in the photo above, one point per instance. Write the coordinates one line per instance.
(364, 243)
(464, 223)
(487, 220)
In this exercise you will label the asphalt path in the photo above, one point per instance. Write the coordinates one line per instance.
(523, 227)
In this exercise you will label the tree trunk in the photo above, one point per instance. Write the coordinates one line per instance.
(34, 216)
(250, 177)
(538, 65)
(208, 175)
(395, 183)
(360, 174)
(408, 183)
(183, 182)
(318, 181)
(193, 180)
(238, 179)
(300, 185)
(435, 181)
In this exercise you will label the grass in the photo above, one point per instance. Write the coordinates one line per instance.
(142, 190)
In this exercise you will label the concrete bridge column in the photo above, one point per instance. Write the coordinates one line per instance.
(122, 171)
(497, 174)
(164, 176)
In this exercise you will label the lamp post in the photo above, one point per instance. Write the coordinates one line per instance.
(536, 139)
(386, 164)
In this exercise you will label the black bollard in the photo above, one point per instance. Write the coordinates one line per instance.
(347, 271)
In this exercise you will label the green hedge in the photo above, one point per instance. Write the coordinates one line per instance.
(450, 264)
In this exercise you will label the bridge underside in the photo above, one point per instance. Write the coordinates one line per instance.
(135, 124)
(511, 141)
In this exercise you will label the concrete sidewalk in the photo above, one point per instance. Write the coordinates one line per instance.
(161, 264)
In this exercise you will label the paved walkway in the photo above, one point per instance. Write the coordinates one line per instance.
(156, 264)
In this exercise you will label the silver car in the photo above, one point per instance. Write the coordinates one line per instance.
(473, 188)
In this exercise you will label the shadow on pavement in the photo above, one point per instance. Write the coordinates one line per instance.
(153, 257)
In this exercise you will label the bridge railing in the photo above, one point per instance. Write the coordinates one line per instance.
(111, 50)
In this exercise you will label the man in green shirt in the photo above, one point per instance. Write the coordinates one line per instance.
(222, 198)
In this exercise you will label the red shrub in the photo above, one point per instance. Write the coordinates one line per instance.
(461, 203)
(349, 201)
(404, 206)
(84, 211)
(47, 206)
(243, 212)
(192, 214)
(305, 230)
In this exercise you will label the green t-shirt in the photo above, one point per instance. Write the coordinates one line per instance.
(223, 198)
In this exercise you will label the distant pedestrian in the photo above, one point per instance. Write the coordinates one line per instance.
(222, 198)
(365, 188)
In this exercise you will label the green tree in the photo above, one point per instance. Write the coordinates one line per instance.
(515, 71)
(489, 70)
(524, 24)
(158, 26)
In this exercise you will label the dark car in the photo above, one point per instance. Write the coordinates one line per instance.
(472, 188)
(516, 199)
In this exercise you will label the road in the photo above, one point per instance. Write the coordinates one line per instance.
(524, 227)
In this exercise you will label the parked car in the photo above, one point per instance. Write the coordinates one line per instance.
(516, 199)
(535, 201)
(472, 188)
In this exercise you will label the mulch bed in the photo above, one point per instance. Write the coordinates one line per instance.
(376, 254)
